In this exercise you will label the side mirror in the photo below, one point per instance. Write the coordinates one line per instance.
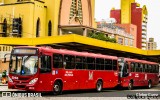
(4, 60)
(5, 57)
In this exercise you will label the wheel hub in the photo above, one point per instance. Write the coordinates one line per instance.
(56, 88)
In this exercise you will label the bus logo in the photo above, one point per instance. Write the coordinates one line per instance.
(90, 75)
(136, 75)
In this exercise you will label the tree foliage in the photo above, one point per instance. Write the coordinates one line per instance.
(101, 36)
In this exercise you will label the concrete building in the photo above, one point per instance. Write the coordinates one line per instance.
(117, 31)
(131, 29)
(151, 44)
(44, 17)
(131, 13)
(4, 50)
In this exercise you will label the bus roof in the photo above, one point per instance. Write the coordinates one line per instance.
(71, 52)
(139, 61)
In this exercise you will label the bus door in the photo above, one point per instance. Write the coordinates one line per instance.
(123, 70)
(45, 75)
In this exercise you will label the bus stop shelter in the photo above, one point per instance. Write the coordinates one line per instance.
(82, 43)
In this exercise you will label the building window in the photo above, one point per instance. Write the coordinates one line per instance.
(76, 11)
(3, 48)
(120, 41)
(4, 28)
(126, 41)
(49, 28)
(38, 28)
(17, 26)
(131, 42)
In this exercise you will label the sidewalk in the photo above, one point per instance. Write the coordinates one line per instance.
(3, 84)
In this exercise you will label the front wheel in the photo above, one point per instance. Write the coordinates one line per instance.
(57, 88)
(99, 86)
(130, 85)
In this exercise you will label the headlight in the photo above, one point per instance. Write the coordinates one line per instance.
(9, 79)
(33, 81)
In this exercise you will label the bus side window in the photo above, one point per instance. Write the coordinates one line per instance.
(69, 61)
(46, 64)
(126, 68)
(153, 68)
(136, 67)
(157, 70)
(79, 62)
(154, 71)
(108, 64)
(114, 64)
(91, 63)
(99, 64)
(144, 67)
(57, 61)
(147, 68)
(85, 66)
(132, 67)
(141, 68)
(150, 69)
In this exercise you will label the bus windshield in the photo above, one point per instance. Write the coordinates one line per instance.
(23, 65)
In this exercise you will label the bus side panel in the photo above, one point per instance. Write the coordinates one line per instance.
(81, 76)
(141, 79)
(69, 79)
(109, 78)
(153, 77)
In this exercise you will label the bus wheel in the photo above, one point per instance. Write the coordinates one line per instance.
(99, 86)
(130, 85)
(57, 88)
(149, 84)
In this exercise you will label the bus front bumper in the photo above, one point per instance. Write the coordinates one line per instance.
(22, 86)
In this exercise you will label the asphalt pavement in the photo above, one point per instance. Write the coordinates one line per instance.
(112, 94)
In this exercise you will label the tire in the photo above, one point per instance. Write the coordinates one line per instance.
(57, 88)
(149, 84)
(99, 86)
(130, 86)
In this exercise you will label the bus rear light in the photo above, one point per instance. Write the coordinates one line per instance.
(33, 81)
(10, 80)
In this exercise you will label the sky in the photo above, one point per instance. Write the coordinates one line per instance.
(103, 7)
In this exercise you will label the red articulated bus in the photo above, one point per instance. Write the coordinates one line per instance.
(47, 69)
(133, 72)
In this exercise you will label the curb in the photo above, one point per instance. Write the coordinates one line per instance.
(3, 84)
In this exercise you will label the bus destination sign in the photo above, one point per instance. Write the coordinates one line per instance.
(24, 51)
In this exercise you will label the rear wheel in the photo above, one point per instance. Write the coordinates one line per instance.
(99, 86)
(130, 86)
(57, 88)
(149, 84)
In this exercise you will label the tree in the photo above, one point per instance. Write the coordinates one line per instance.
(101, 36)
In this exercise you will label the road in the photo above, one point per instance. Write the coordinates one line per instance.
(108, 92)
(112, 94)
